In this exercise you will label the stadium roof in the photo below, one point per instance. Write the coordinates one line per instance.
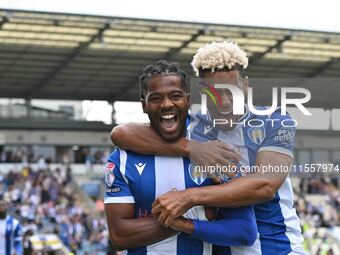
(66, 56)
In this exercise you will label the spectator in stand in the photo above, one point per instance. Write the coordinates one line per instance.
(27, 244)
(45, 203)
(10, 232)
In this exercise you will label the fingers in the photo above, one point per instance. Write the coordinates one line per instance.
(168, 221)
(224, 146)
(166, 208)
(223, 167)
(155, 203)
(223, 150)
(230, 153)
(156, 207)
(221, 160)
(216, 180)
(156, 210)
(163, 217)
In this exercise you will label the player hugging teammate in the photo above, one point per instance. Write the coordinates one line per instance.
(151, 173)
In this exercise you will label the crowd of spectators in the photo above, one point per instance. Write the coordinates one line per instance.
(318, 206)
(80, 156)
(43, 202)
(17, 156)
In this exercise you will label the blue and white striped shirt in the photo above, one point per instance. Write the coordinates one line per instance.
(140, 179)
(278, 225)
(11, 236)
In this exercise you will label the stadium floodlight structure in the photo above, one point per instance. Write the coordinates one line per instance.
(83, 57)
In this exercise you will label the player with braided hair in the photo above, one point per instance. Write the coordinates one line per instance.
(257, 147)
(162, 68)
(134, 181)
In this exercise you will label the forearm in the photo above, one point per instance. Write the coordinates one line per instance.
(250, 189)
(141, 138)
(239, 192)
(225, 232)
(234, 227)
(133, 233)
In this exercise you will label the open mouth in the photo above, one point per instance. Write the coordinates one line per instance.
(169, 122)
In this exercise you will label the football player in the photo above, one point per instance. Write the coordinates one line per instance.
(134, 181)
(261, 146)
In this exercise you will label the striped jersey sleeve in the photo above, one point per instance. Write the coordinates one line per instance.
(117, 187)
(280, 135)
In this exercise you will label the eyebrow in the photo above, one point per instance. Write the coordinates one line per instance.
(176, 90)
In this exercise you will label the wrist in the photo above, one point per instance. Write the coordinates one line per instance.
(193, 197)
(188, 227)
(184, 225)
(172, 231)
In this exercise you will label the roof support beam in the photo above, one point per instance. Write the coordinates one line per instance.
(323, 67)
(277, 45)
(67, 60)
(3, 22)
(172, 52)
(167, 56)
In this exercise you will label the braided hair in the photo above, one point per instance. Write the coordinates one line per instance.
(161, 68)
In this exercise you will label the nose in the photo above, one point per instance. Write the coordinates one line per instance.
(226, 99)
(167, 103)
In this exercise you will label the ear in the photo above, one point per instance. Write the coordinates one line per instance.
(245, 85)
(188, 98)
(142, 100)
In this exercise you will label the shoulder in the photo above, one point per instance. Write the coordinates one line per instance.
(278, 114)
(114, 156)
(124, 159)
(274, 120)
(118, 156)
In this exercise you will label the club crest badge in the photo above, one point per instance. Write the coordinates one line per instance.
(109, 175)
(196, 175)
(257, 134)
(109, 178)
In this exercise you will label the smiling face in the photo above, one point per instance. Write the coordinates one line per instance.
(166, 103)
(224, 110)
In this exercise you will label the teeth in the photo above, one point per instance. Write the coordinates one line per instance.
(168, 116)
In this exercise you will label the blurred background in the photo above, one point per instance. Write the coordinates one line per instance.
(69, 73)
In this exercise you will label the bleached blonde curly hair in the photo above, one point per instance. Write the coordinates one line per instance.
(218, 56)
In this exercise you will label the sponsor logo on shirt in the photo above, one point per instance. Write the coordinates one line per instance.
(285, 136)
(140, 167)
(113, 190)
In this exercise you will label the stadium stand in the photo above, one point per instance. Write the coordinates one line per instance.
(46, 202)
(83, 57)
(318, 203)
